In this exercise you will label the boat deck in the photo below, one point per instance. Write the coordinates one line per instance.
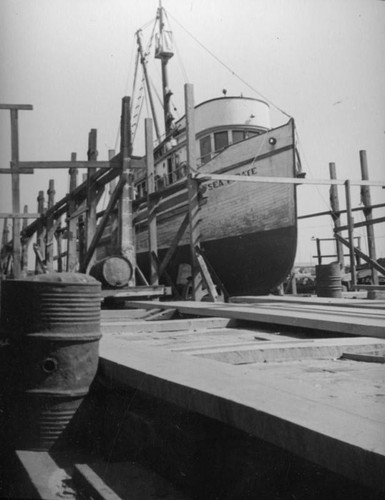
(312, 384)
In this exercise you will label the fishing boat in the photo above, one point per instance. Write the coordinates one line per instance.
(248, 230)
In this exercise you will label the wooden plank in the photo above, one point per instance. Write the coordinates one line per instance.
(298, 419)
(41, 477)
(280, 351)
(284, 180)
(88, 482)
(327, 322)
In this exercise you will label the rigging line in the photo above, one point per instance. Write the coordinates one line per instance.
(135, 77)
(231, 71)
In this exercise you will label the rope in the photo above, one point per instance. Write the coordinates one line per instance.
(231, 71)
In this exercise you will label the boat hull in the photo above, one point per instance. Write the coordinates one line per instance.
(250, 264)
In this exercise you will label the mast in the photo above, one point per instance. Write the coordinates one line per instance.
(143, 61)
(164, 53)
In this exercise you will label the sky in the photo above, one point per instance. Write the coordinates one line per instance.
(320, 61)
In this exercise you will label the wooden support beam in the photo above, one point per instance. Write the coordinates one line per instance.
(367, 201)
(19, 170)
(15, 193)
(91, 198)
(126, 216)
(151, 205)
(60, 253)
(329, 212)
(102, 224)
(170, 252)
(283, 180)
(24, 107)
(24, 246)
(335, 206)
(361, 224)
(168, 279)
(11, 215)
(50, 230)
(72, 223)
(192, 187)
(115, 162)
(40, 234)
(350, 232)
(363, 256)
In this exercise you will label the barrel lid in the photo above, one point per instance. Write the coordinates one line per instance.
(64, 278)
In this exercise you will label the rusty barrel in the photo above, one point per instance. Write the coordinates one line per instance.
(112, 272)
(328, 280)
(49, 337)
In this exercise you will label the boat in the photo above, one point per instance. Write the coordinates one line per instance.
(248, 230)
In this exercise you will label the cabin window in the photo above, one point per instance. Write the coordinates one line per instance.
(238, 135)
(221, 140)
(205, 145)
(252, 133)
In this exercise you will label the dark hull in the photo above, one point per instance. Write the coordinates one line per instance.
(251, 264)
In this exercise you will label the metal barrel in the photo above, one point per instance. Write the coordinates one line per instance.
(328, 280)
(112, 272)
(49, 338)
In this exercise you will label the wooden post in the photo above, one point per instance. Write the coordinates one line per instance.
(15, 194)
(24, 247)
(112, 185)
(367, 201)
(350, 232)
(40, 232)
(72, 223)
(126, 223)
(192, 187)
(319, 254)
(59, 238)
(152, 231)
(92, 155)
(50, 230)
(335, 206)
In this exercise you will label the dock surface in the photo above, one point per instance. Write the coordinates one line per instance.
(302, 393)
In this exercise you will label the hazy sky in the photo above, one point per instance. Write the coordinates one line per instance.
(321, 61)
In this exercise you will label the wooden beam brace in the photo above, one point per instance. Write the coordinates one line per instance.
(152, 223)
(360, 224)
(283, 180)
(361, 254)
(333, 214)
(19, 170)
(135, 163)
(126, 230)
(102, 224)
(24, 107)
(174, 244)
(11, 215)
